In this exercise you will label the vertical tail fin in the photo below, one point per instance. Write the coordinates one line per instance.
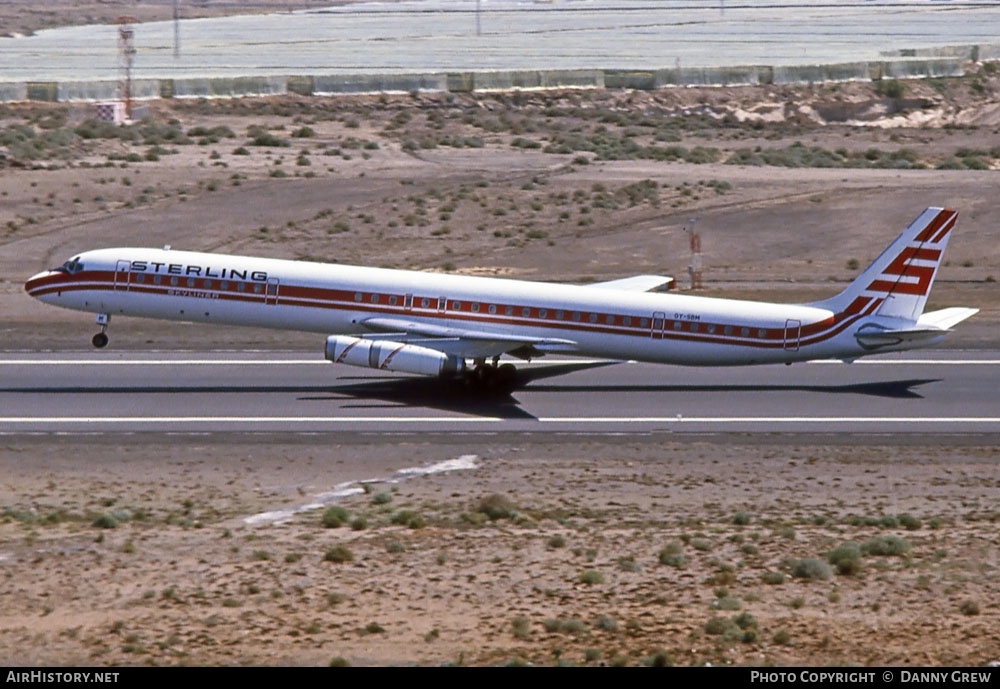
(901, 277)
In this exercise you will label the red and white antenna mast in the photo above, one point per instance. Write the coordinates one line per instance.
(695, 265)
(126, 56)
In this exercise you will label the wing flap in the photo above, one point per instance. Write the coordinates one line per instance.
(466, 342)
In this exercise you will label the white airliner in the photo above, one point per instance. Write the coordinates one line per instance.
(459, 326)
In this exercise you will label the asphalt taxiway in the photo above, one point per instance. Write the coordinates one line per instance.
(936, 392)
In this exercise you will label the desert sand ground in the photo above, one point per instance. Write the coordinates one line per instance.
(599, 551)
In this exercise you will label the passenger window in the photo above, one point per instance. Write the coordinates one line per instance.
(358, 296)
(174, 281)
(456, 305)
(592, 318)
(208, 284)
(257, 288)
(475, 308)
(627, 320)
(745, 332)
(542, 313)
(140, 277)
(710, 328)
(728, 330)
(241, 287)
(374, 299)
(576, 315)
(425, 303)
(509, 310)
(526, 312)
(493, 308)
(392, 300)
(694, 327)
(762, 333)
(190, 282)
(644, 322)
(610, 320)
(560, 315)
(157, 279)
(224, 285)
(677, 325)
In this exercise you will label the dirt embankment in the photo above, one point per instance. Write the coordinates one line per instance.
(570, 186)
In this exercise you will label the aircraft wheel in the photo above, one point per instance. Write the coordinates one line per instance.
(506, 375)
(507, 372)
(100, 340)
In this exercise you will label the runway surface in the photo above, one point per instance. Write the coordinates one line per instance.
(937, 392)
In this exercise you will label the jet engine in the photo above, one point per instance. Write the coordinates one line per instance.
(387, 355)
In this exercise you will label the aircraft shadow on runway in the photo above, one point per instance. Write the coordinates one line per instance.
(390, 392)
(454, 396)
(894, 389)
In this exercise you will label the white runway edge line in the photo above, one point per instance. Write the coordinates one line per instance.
(489, 419)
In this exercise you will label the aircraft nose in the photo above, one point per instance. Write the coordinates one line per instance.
(35, 282)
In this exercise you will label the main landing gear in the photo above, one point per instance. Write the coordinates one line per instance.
(100, 340)
(491, 377)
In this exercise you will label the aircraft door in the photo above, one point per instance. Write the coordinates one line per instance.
(442, 304)
(657, 325)
(793, 331)
(123, 270)
(271, 294)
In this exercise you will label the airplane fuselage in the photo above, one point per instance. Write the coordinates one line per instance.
(339, 299)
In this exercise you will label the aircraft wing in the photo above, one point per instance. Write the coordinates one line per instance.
(466, 342)
(637, 283)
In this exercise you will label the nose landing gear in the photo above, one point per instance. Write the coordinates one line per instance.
(100, 340)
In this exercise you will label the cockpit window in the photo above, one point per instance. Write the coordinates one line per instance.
(71, 266)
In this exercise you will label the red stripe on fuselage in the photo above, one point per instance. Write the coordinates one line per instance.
(343, 300)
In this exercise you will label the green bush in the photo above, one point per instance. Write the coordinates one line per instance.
(496, 507)
(408, 518)
(846, 558)
(339, 554)
(811, 569)
(672, 556)
(335, 517)
(105, 521)
(268, 139)
(891, 88)
(886, 545)
(718, 626)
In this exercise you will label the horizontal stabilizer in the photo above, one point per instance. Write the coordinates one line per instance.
(638, 283)
(874, 338)
(945, 318)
